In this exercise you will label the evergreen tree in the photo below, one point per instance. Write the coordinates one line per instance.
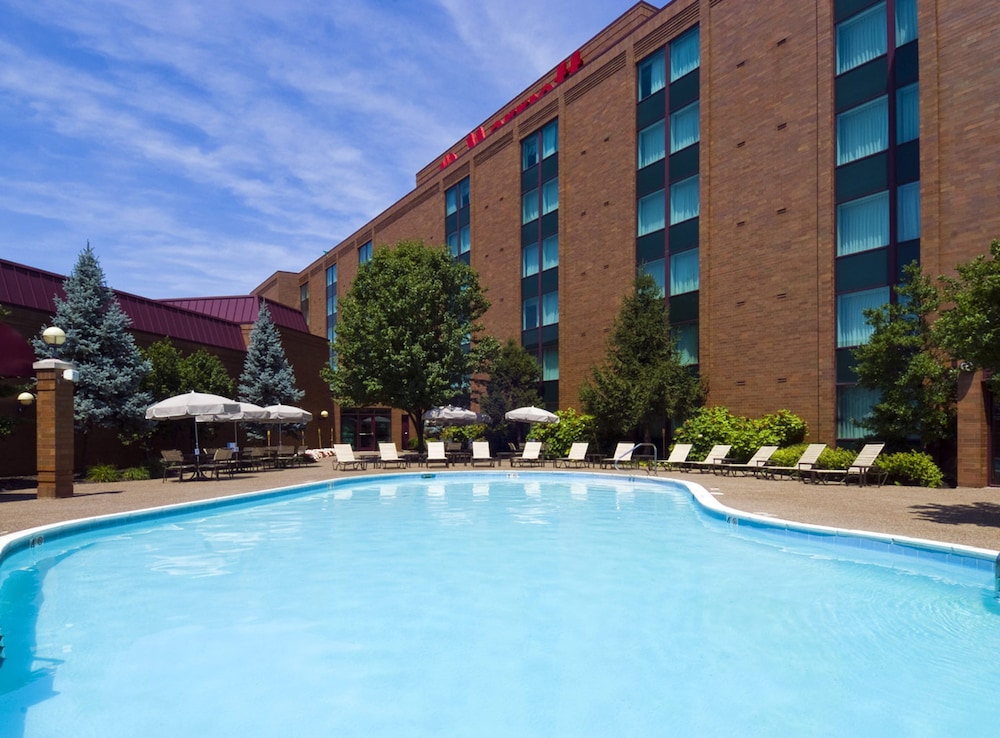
(404, 329)
(514, 379)
(641, 382)
(268, 378)
(903, 363)
(108, 392)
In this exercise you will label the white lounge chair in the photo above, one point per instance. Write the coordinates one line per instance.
(805, 464)
(716, 457)
(531, 456)
(577, 455)
(621, 457)
(343, 457)
(481, 454)
(387, 455)
(753, 465)
(436, 454)
(861, 467)
(678, 456)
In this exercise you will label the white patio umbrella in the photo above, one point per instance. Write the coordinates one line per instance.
(452, 415)
(247, 412)
(286, 414)
(531, 415)
(191, 405)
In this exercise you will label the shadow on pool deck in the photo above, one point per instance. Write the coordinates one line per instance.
(986, 514)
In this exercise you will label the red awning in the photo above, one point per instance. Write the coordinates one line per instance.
(16, 354)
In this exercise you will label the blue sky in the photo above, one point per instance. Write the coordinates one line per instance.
(200, 146)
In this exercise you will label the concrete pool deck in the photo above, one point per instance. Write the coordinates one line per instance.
(965, 516)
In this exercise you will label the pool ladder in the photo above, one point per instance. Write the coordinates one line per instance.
(650, 469)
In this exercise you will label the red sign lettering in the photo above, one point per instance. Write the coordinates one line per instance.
(563, 70)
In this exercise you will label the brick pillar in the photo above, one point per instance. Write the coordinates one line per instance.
(54, 423)
(974, 455)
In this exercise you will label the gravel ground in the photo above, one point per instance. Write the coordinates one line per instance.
(967, 516)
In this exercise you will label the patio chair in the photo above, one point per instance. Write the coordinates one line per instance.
(174, 463)
(861, 467)
(753, 465)
(481, 454)
(577, 455)
(343, 457)
(716, 457)
(223, 460)
(388, 455)
(678, 456)
(622, 455)
(807, 461)
(436, 454)
(260, 457)
(531, 456)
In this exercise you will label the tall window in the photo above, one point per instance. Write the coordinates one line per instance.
(365, 253)
(854, 404)
(529, 206)
(652, 144)
(684, 272)
(550, 308)
(550, 364)
(853, 328)
(906, 21)
(457, 227)
(861, 38)
(685, 56)
(863, 224)
(863, 131)
(684, 127)
(550, 139)
(908, 113)
(652, 74)
(652, 213)
(550, 196)
(908, 211)
(684, 200)
(331, 305)
(656, 269)
(304, 301)
(550, 252)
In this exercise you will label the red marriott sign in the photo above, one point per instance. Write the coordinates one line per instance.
(564, 70)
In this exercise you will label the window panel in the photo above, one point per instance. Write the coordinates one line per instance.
(529, 206)
(854, 404)
(550, 364)
(686, 341)
(550, 139)
(465, 240)
(684, 200)
(863, 131)
(861, 38)
(451, 201)
(652, 213)
(863, 224)
(652, 74)
(684, 55)
(908, 212)
(550, 196)
(684, 272)
(529, 260)
(906, 21)
(550, 252)
(684, 127)
(652, 144)
(529, 314)
(550, 308)
(907, 113)
(365, 253)
(529, 152)
(852, 327)
(453, 243)
(657, 270)
(463, 193)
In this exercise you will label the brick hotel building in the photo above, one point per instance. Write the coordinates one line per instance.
(773, 165)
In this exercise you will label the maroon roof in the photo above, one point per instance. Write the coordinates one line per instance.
(208, 321)
(16, 354)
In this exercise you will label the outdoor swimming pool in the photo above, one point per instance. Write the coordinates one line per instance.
(489, 604)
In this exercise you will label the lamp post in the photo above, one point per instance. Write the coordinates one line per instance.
(26, 399)
(324, 415)
(54, 418)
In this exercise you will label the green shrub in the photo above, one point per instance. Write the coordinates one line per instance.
(463, 433)
(558, 437)
(788, 456)
(103, 473)
(836, 458)
(783, 428)
(710, 426)
(136, 474)
(911, 467)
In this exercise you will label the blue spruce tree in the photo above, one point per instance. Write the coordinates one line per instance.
(267, 377)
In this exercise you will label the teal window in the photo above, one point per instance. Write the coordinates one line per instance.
(550, 139)
(550, 252)
(550, 308)
(684, 127)
(906, 21)
(657, 270)
(365, 253)
(550, 196)
(686, 341)
(652, 74)
(529, 152)
(529, 206)
(529, 260)
(550, 364)
(908, 211)
(854, 404)
(684, 55)
(907, 113)
(861, 38)
(652, 144)
(853, 328)
(529, 314)
(684, 200)
(684, 272)
(651, 213)
(863, 131)
(863, 224)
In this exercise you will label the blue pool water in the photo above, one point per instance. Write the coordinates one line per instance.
(488, 605)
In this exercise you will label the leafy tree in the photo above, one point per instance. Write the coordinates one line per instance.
(514, 379)
(641, 380)
(204, 372)
(970, 329)
(164, 378)
(268, 378)
(403, 332)
(559, 437)
(904, 364)
(108, 392)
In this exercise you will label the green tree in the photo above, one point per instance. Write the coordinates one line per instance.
(514, 379)
(903, 362)
(970, 329)
(164, 378)
(204, 372)
(267, 378)
(641, 381)
(404, 329)
(108, 392)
